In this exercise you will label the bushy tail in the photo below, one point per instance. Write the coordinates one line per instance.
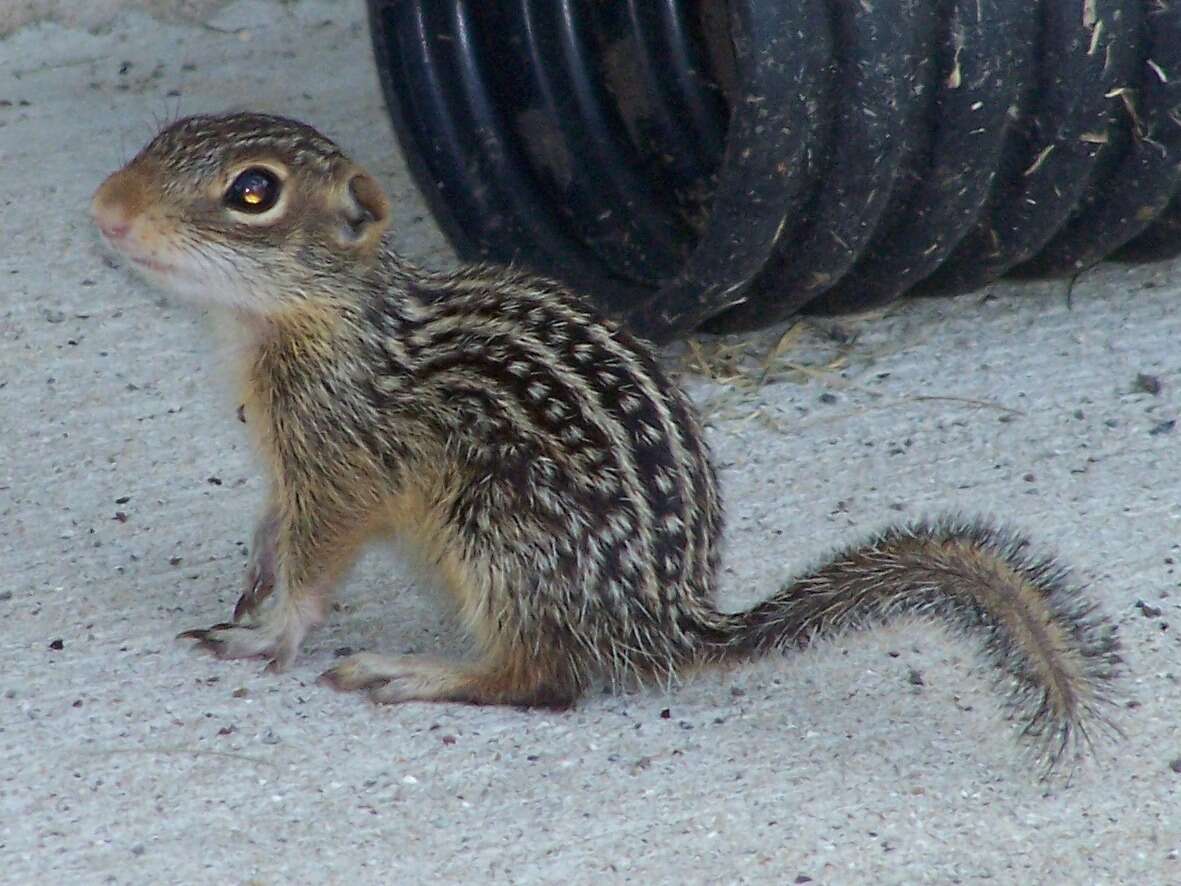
(1037, 628)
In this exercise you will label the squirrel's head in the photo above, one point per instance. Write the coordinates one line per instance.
(250, 211)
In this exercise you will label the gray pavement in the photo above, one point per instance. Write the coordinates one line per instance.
(127, 494)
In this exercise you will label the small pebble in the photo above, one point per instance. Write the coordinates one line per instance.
(1147, 384)
(1163, 427)
(1147, 609)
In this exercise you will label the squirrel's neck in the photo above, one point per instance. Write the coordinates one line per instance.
(318, 308)
(312, 336)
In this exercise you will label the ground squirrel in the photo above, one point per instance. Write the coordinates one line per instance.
(535, 455)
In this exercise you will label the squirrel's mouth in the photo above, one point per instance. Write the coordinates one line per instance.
(151, 264)
(119, 247)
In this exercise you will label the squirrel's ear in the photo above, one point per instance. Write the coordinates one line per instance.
(365, 212)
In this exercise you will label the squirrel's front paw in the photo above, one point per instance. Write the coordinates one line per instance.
(260, 584)
(228, 640)
(260, 574)
(274, 635)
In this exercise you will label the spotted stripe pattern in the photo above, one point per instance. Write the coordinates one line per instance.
(579, 462)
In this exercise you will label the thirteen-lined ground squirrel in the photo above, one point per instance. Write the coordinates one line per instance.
(536, 456)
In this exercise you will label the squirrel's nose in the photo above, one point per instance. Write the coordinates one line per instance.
(116, 203)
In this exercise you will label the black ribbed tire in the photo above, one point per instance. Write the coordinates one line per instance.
(722, 165)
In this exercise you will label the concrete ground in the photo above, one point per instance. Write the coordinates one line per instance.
(127, 495)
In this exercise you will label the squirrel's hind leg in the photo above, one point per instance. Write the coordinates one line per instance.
(398, 678)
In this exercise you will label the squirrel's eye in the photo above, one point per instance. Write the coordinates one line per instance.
(255, 190)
